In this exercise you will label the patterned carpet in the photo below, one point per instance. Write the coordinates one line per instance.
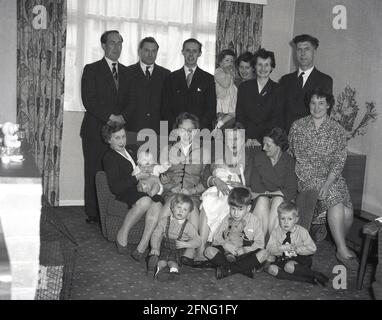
(101, 273)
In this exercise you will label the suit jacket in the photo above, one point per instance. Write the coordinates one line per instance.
(296, 105)
(144, 97)
(259, 112)
(119, 176)
(199, 99)
(101, 97)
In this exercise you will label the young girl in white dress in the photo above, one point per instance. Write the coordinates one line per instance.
(226, 91)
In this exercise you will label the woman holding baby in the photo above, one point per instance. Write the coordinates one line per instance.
(230, 169)
(123, 176)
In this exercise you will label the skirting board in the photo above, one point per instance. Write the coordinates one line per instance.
(68, 203)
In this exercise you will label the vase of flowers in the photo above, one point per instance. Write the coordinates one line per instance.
(346, 110)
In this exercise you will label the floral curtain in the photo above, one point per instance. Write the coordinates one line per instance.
(41, 38)
(239, 26)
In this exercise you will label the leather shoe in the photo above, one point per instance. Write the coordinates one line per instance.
(186, 261)
(174, 276)
(222, 272)
(263, 266)
(202, 264)
(350, 263)
(163, 274)
(120, 248)
(321, 278)
(138, 256)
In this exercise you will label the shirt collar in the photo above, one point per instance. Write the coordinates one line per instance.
(144, 66)
(187, 68)
(306, 72)
(176, 220)
(110, 63)
(245, 218)
(325, 122)
(292, 231)
(186, 149)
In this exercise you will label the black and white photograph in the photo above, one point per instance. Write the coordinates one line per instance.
(192, 155)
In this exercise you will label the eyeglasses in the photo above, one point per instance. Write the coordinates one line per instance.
(182, 130)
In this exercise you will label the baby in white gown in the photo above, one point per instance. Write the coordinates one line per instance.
(214, 202)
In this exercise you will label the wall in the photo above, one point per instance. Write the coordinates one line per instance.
(278, 20)
(352, 57)
(8, 39)
(275, 37)
(72, 164)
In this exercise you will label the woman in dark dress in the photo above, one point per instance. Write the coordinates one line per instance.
(259, 101)
(273, 178)
(119, 165)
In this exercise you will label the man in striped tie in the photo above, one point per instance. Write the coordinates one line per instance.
(104, 102)
(190, 89)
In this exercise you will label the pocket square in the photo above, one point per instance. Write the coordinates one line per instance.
(199, 90)
(264, 93)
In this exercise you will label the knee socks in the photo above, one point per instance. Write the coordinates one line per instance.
(302, 270)
(245, 265)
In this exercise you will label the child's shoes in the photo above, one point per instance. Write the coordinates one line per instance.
(163, 274)
(222, 272)
(174, 276)
(320, 278)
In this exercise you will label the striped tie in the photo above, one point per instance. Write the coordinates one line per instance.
(189, 77)
(115, 74)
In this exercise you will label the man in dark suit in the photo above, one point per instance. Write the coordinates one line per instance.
(297, 85)
(144, 88)
(190, 89)
(103, 102)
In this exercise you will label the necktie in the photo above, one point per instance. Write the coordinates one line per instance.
(189, 77)
(115, 74)
(148, 75)
(287, 238)
(300, 80)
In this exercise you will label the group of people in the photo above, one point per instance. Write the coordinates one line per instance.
(237, 213)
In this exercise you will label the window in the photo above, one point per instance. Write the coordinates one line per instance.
(170, 22)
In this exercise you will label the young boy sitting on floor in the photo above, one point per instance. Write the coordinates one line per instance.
(171, 236)
(248, 257)
(292, 248)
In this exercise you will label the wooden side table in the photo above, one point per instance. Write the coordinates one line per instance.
(370, 230)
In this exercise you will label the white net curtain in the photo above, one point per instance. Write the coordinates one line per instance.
(170, 22)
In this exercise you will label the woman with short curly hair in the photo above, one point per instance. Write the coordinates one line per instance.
(273, 178)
